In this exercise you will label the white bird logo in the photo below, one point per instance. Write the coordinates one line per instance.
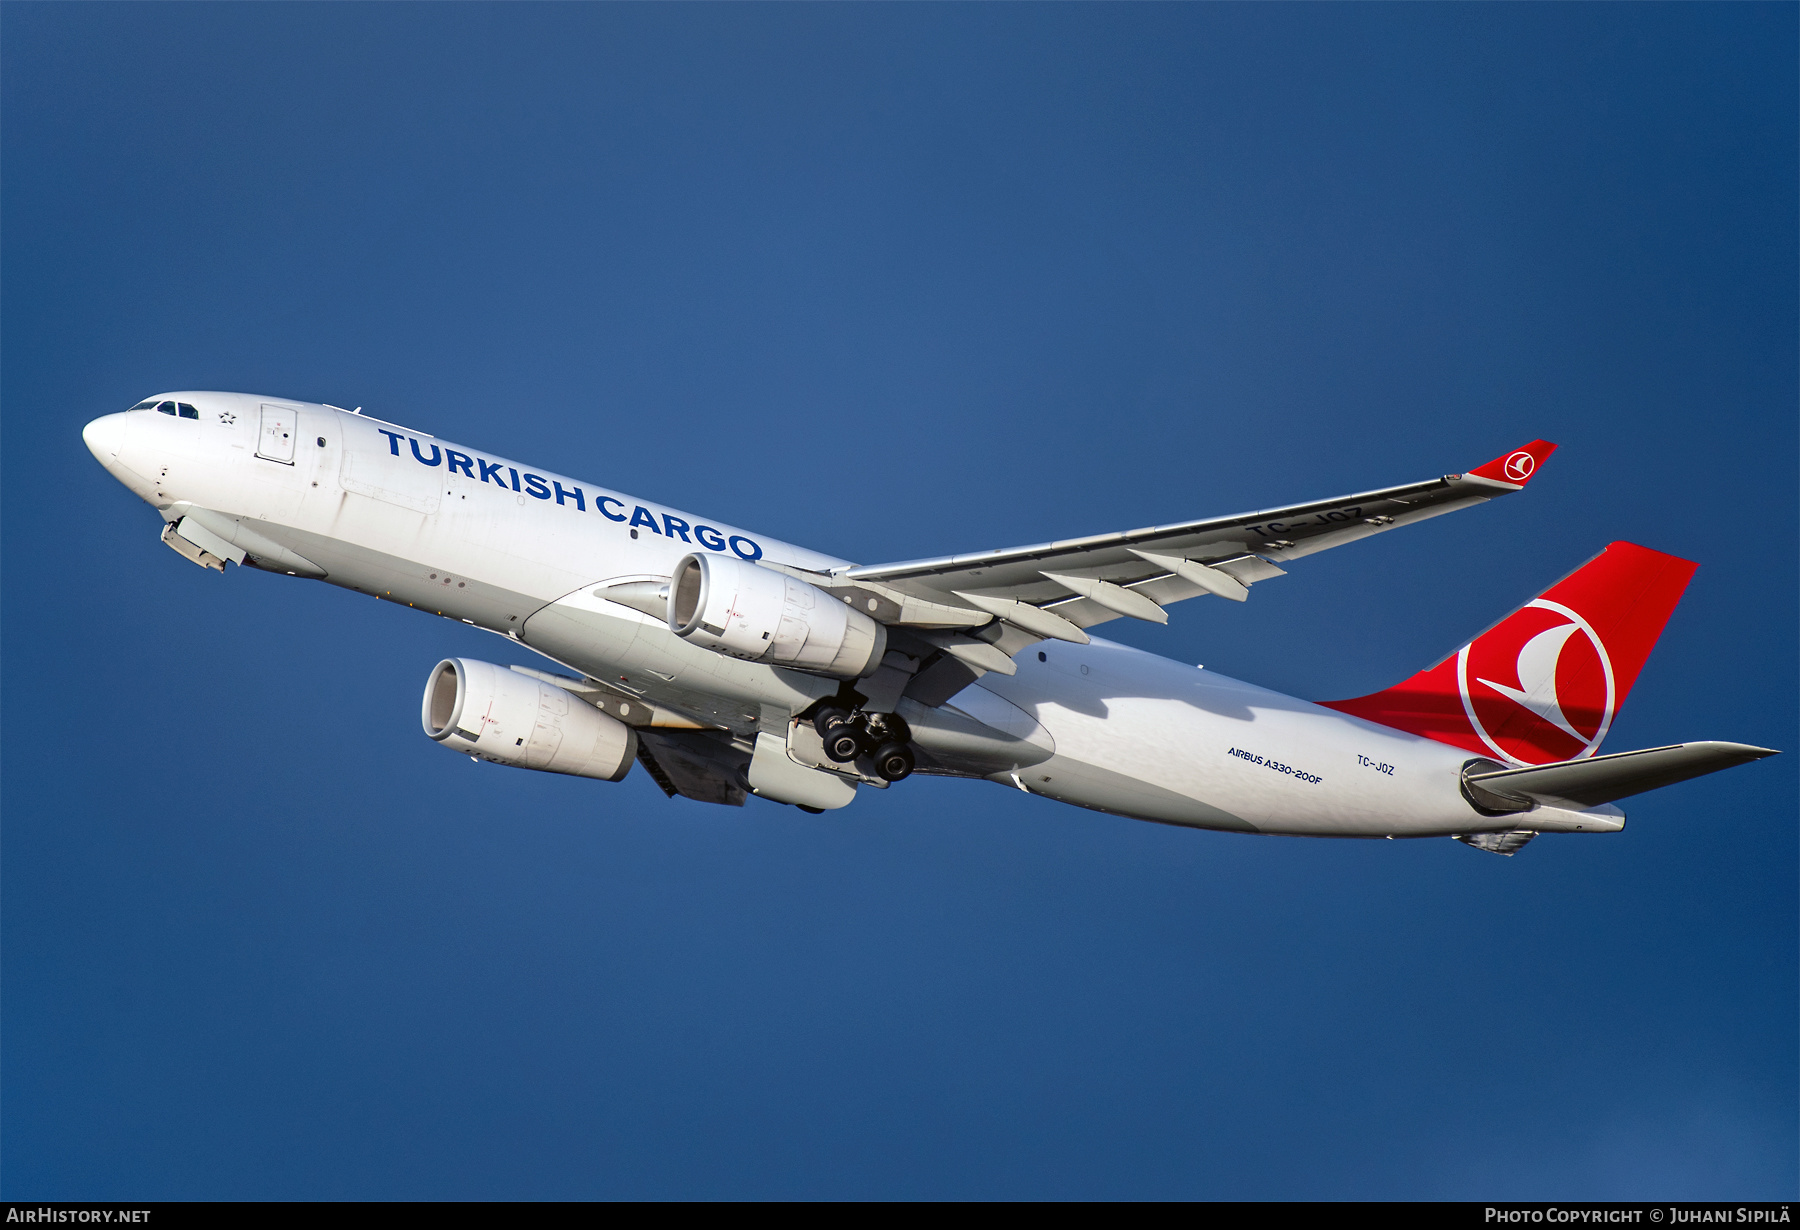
(1537, 678)
(1536, 693)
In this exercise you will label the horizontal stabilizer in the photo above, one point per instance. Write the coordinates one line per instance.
(1601, 779)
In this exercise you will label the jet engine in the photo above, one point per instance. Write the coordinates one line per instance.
(484, 710)
(743, 610)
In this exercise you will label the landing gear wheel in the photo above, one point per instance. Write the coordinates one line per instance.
(844, 743)
(894, 761)
(828, 719)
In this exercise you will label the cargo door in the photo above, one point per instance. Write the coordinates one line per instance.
(276, 441)
(394, 470)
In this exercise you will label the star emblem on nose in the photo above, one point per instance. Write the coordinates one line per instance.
(228, 418)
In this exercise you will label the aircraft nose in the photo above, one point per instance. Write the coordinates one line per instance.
(103, 435)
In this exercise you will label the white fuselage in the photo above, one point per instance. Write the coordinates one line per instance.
(405, 517)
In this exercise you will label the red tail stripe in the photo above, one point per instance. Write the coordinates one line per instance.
(1544, 683)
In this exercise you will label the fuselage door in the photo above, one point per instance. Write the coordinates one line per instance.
(376, 464)
(276, 443)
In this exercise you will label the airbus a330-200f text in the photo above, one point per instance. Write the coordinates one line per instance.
(727, 663)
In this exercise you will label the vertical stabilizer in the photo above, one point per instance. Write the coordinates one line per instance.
(1543, 684)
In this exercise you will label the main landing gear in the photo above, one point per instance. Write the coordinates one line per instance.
(882, 737)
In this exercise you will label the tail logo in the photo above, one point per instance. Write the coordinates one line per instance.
(1519, 466)
(1564, 695)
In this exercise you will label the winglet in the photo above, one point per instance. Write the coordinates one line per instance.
(1518, 466)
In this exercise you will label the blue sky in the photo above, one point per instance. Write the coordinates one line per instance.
(893, 281)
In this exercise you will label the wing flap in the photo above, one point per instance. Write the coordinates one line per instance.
(694, 765)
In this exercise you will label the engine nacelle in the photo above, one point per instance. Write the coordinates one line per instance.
(743, 610)
(484, 710)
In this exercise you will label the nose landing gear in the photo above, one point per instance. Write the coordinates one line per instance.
(882, 737)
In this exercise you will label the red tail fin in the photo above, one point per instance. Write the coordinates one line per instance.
(1543, 683)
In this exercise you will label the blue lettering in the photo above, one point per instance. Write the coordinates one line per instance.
(673, 525)
(454, 460)
(393, 440)
(600, 503)
(709, 538)
(515, 475)
(534, 487)
(490, 469)
(580, 503)
(416, 455)
(754, 552)
(641, 516)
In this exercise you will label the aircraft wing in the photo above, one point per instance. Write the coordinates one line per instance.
(1056, 589)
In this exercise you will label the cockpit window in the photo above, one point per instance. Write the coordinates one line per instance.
(176, 409)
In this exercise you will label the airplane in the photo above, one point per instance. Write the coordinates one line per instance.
(730, 664)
